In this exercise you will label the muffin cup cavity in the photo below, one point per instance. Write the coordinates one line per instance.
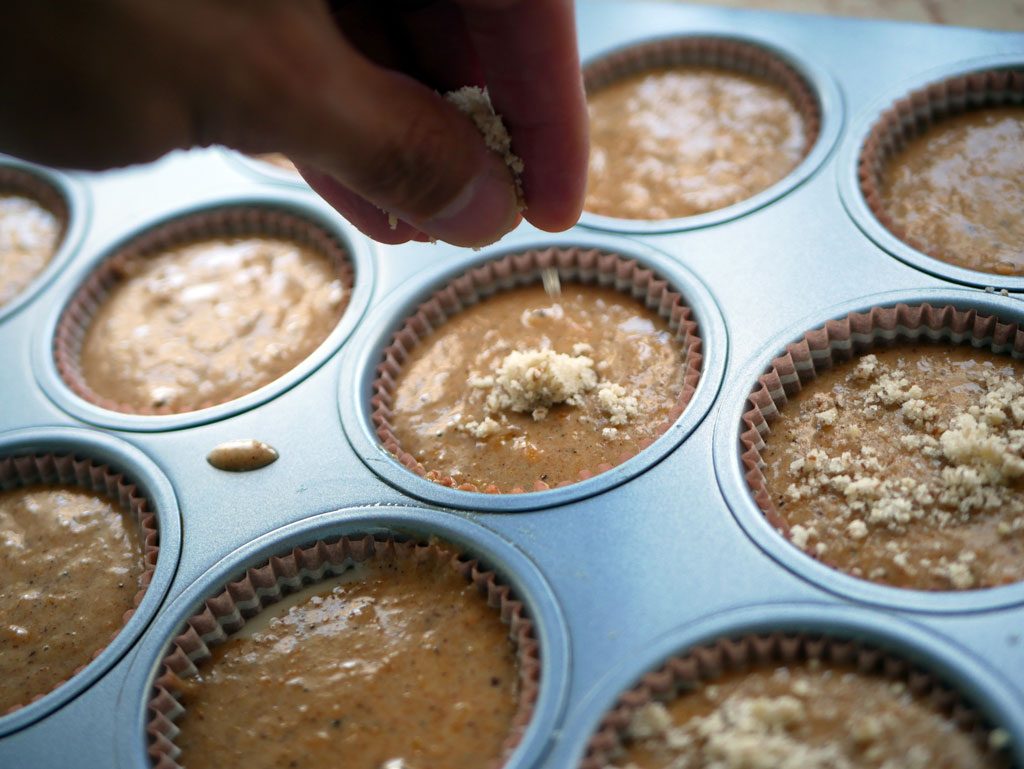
(705, 663)
(261, 586)
(911, 116)
(582, 265)
(15, 180)
(224, 221)
(813, 95)
(840, 340)
(22, 470)
(725, 53)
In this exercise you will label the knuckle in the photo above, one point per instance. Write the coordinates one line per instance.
(414, 170)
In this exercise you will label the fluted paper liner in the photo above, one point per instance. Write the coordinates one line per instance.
(222, 222)
(261, 586)
(841, 340)
(18, 181)
(719, 52)
(703, 664)
(914, 114)
(52, 469)
(588, 266)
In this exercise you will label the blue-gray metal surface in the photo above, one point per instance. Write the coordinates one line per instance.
(665, 553)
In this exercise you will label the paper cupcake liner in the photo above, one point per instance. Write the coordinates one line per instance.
(18, 181)
(706, 663)
(840, 340)
(261, 586)
(233, 221)
(30, 469)
(914, 114)
(718, 52)
(588, 266)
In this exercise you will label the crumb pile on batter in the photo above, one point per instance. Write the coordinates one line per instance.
(532, 381)
(520, 389)
(907, 468)
(808, 717)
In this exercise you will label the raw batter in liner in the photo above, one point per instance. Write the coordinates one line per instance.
(208, 322)
(680, 141)
(399, 664)
(29, 237)
(811, 716)
(70, 565)
(957, 191)
(906, 467)
(441, 414)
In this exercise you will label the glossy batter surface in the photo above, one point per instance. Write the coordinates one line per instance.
(439, 399)
(806, 717)
(958, 190)
(400, 665)
(907, 467)
(209, 322)
(70, 564)
(681, 141)
(29, 237)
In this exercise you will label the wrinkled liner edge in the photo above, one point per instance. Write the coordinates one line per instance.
(683, 673)
(734, 55)
(842, 340)
(225, 221)
(261, 586)
(32, 469)
(914, 114)
(587, 266)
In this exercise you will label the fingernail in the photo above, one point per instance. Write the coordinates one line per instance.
(480, 214)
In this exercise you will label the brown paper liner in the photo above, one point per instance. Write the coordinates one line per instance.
(225, 222)
(261, 586)
(704, 664)
(588, 266)
(18, 181)
(718, 52)
(840, 340)
(914, 114)
(53, 469)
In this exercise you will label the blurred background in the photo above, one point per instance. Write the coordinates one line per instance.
(990, 14)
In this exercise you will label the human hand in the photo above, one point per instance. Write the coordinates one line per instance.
(348, 90)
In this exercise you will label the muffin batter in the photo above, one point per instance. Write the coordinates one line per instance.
(906, 467)
(810, 716)
(210, 321)
(398, 664)
(675, 142)
(522, 388)
(957, 191)
(29, 237)
(70, 564)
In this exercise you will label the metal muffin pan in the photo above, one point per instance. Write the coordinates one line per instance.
(619, 575)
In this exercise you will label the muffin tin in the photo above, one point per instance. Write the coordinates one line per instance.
(619, 572)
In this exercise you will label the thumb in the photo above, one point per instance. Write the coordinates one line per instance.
(402, 147)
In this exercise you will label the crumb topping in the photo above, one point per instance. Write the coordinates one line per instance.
(891, 448)
(476, 103)
(803, 717)
(532, 381)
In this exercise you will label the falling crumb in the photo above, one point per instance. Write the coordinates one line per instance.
(476, 103)
(552, 284)
(392, 221)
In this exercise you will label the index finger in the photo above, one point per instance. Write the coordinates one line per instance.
(528, 53)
